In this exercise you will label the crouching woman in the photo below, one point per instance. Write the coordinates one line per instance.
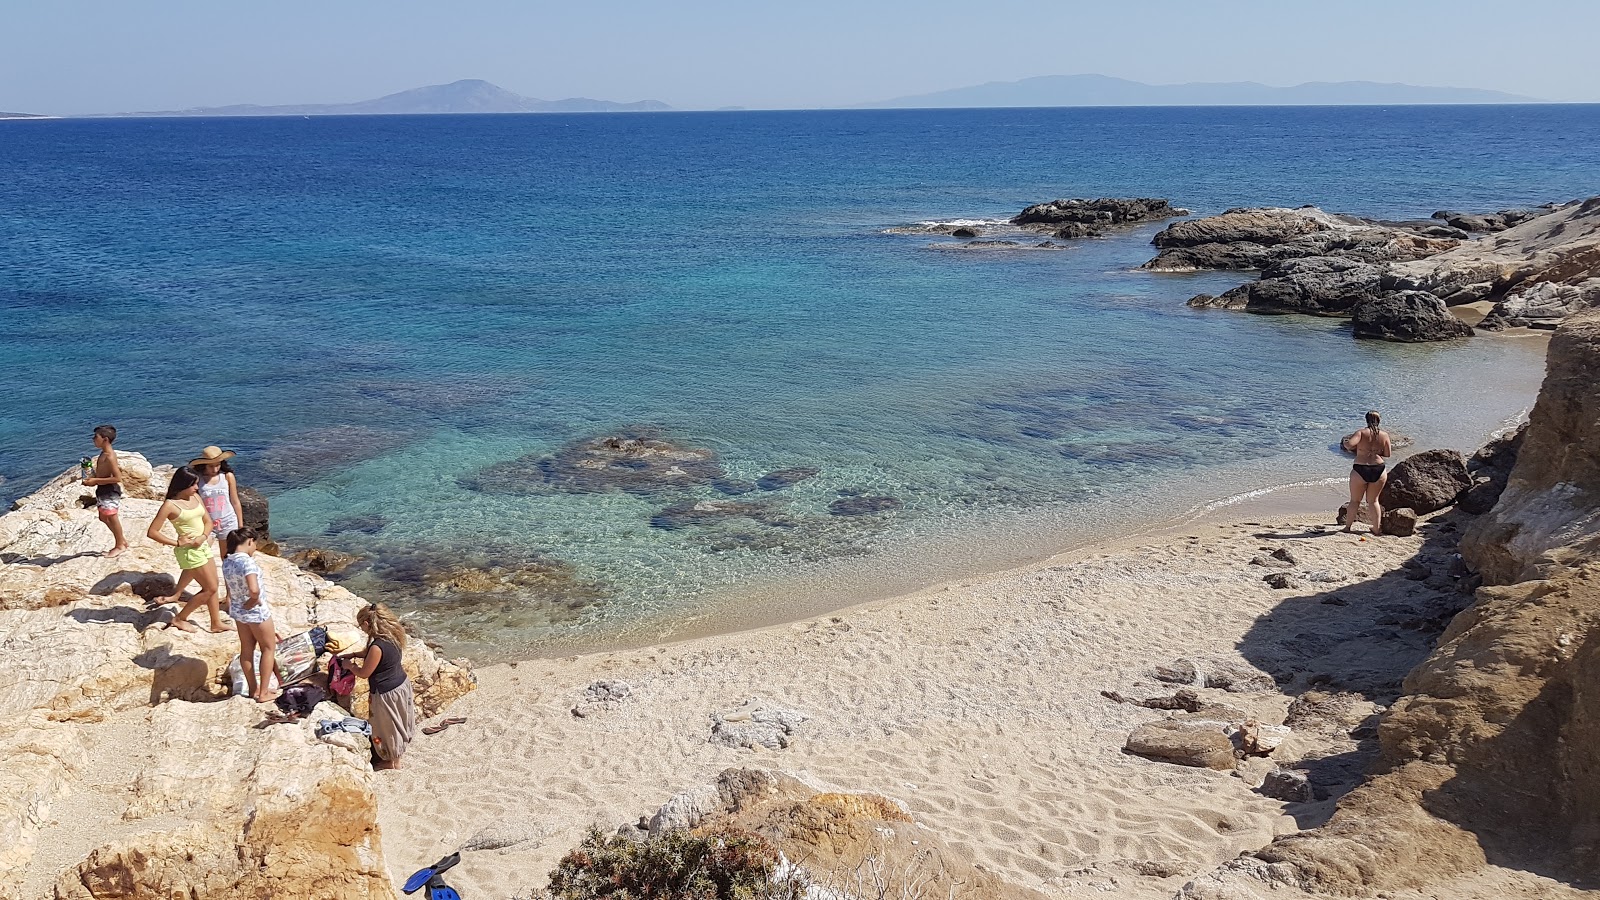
(392, 710)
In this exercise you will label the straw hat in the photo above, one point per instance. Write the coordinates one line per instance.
(212, 456)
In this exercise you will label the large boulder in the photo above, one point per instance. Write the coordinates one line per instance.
(1426, 482)
(833, 835)
(1550, 507)
(1407, 317)
(238, 811)
(1546, 303)
(1318, 286)
(1201, 744)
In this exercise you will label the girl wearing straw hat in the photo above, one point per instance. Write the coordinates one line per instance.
(219, 490)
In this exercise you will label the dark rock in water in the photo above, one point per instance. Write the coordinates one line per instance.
(1408, 317)
(481, 581)
(710, 512)
(256, 511)
(1500, 453)
(1427, 482)
(1318, 286)
(865, 505)
(1075, 230)
(1102, 212)
(635, 463)
(366, 523)
(256, 516)
(965, 232)
(732, 487)
(782, 478)
(301, 459)
(321, 561)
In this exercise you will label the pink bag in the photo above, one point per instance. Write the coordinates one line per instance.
(341, 680)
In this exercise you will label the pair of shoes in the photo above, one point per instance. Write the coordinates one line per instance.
(435, 729)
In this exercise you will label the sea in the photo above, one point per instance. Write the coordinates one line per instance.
(380, 313)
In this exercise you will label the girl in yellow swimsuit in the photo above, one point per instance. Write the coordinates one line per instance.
(187, 513)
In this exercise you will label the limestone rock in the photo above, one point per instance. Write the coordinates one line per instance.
(756, 724)
(1426, 482)
(39, 762)
(1407, 317)
(323, 561)
(1550, 502)
(833, 834)
(1282, 581)
(1201, 744)
(274, 812)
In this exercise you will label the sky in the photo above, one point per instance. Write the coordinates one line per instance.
(67, 57)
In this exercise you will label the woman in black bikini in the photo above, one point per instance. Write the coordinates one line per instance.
(1367, 478)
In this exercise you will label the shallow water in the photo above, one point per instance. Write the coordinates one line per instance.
(373, 310)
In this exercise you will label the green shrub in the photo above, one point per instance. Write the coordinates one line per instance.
(727, 864)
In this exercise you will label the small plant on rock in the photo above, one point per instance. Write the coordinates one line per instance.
(722, 864)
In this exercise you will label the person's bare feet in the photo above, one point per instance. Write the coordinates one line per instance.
(182, 625)
(269, 696)
(115, 552)
(158, 602)
(220, 627)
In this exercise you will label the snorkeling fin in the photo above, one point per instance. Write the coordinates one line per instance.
(431, 878)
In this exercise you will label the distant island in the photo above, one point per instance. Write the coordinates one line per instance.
(12, 115)
(1103, 90)
(467, 96)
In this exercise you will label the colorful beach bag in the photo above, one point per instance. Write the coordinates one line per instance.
(297, 657)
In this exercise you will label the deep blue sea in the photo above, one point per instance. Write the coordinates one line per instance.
(372, 310)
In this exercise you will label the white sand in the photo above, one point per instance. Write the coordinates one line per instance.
(976, 703)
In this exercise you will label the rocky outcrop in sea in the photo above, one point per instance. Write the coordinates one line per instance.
(1534, 267)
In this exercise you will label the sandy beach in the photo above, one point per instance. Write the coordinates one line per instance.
(977, 704)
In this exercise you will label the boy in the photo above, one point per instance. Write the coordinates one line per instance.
(107, 483)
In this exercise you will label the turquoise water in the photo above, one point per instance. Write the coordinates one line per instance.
(372, 310)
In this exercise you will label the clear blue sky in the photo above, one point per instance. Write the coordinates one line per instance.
(79, 56)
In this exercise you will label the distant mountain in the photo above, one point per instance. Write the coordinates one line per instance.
(1103, 90)
(6, 115)
(467, 96)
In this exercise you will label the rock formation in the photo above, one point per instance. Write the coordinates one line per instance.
(836, 837)
(636, 461)
(1491, 755)
(235, 810)
(1535, 268)
(1246, 239)
(1560, 250)
(1408, 317)
(1068, 219)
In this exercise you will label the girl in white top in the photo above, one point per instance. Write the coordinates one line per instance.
(247, 604)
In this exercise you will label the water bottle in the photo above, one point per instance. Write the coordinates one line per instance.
(85, 468)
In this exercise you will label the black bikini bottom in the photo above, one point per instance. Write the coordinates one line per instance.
(1369, 474)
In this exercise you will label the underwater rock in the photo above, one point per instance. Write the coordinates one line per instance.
(634, 462)
(782, 478)
(864, 505)
(365, 523)
(709, 512)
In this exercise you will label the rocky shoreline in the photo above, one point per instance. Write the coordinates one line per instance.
(126, 770)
